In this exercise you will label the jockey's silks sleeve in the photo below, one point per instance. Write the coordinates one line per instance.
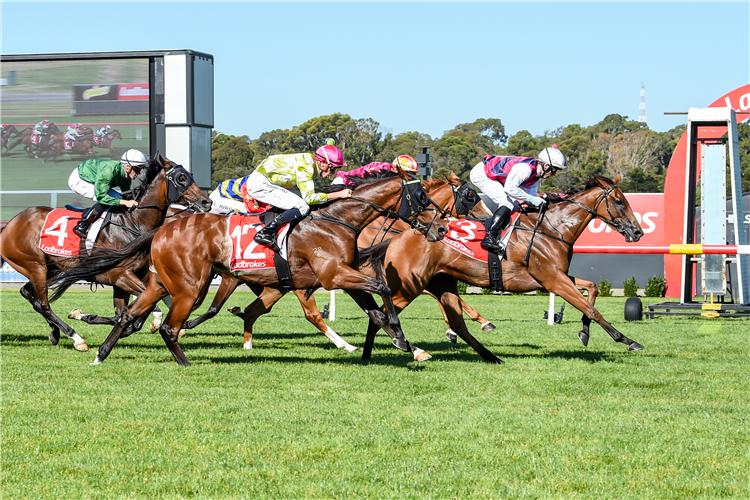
(294, 170)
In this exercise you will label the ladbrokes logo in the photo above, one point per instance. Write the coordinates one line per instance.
(56, 250)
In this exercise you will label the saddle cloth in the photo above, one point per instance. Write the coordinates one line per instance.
(57, 236)
(465, 235)
(247, 255)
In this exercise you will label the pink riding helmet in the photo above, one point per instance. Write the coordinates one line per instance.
(331, 155)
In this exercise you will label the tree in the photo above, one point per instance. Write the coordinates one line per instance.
(454, 154)
(231, 157)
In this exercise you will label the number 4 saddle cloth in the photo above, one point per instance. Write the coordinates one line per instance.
(465, 235)
(247, 255)
(58, 238)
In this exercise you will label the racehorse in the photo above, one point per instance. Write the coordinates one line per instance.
(7, 132)
(452, 195)
(106, 141)
(322, 251)
(43, 144)
(537, 258)
(165, 182)
(81, 145)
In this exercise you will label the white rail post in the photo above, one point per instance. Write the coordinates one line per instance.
(332, 307)
(551, 313)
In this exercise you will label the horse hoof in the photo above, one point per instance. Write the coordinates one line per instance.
(635, 346)
(54, 337)
(97, 361)
(584, 338)
(155, 326)
(422, 356)
(75, 314)
(248, 345)
(181, 333)
(451, 335)
(235, 310)
(351, 348)
(488, 327)
(81, 347)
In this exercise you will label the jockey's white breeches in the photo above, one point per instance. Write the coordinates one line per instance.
(85, 188)
(260, 188)
(225, 206)
(494, 189)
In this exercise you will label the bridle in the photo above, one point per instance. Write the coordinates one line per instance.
(413, 200)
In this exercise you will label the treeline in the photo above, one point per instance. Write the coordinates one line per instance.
(614, 145)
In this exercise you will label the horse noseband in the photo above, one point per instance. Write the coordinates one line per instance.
(179, 180)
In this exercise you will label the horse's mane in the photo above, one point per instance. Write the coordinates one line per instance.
(591, 181)
(433, 183)
(151, 170)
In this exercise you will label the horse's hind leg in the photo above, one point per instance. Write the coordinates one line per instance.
(312, 314)
(37, 296)
(566, 289)
(260, 306)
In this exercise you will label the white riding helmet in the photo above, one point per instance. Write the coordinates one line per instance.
(134, 158)
(553, 156)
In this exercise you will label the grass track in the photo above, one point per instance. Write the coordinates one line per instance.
(298, 418)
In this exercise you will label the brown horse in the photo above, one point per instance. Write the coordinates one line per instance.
(45, 141)
(81, 145)
(322, 252)
(106, 141)
(19, 242)
(456, 199)
(8, 131)
(538, 258)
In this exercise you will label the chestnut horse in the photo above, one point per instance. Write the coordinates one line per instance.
(538, 257)
(81, 145)
(186, 253)
(45, 141)
(454, 196)
(106, 141)
(19, 242)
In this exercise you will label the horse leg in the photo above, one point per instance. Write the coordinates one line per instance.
(37, 296)
(566, 289)
(592, 291)
(131, 318)
(312, 314)
(259, 307)
(120, 302)
(227, 287)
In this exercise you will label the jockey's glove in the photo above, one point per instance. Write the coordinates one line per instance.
(536, 201)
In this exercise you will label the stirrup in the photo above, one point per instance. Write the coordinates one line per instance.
(82, 232)
(493, 246)
(264, 238)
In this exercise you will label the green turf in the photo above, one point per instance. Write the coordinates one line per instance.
(297, 418)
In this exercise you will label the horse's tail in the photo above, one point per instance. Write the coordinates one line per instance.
(374, 257)
(87, 267)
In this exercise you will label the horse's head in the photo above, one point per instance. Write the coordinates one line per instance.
(403, 195)
(614, 209)
(180, 184)
(115, 133)
(467, 200)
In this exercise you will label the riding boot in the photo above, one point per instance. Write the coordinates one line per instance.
(88, 217)
(491, 241)
(267, 235)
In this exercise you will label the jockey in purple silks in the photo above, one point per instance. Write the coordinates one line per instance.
(508, 180)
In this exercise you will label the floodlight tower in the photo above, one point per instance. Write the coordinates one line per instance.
(642, 107)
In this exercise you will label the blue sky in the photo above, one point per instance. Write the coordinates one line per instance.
(421, 66)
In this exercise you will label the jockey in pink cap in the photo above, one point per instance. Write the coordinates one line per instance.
(268, 183)
(406, 162)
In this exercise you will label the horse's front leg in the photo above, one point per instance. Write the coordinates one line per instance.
(228, 285)
(592, 290)
(120, 299)
(312, 314)
(36, 294)
(566, 289)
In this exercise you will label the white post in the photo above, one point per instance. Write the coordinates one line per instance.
(551, 313)
(332, 307)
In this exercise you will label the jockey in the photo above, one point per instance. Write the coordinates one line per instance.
(41, 127)
(102, 131)
(508, 180)
(231, 197)
(266, 184)
(95, 179)
(406, 163)
(74, 131)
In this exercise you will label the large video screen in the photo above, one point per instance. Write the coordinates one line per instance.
(105, 100)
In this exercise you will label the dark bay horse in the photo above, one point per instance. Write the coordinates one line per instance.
(34, 150)
(19, 242)
(106, 141)
(8, 131)
(416, 266)
(186, 253)
(81, 145)
(454, 196)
